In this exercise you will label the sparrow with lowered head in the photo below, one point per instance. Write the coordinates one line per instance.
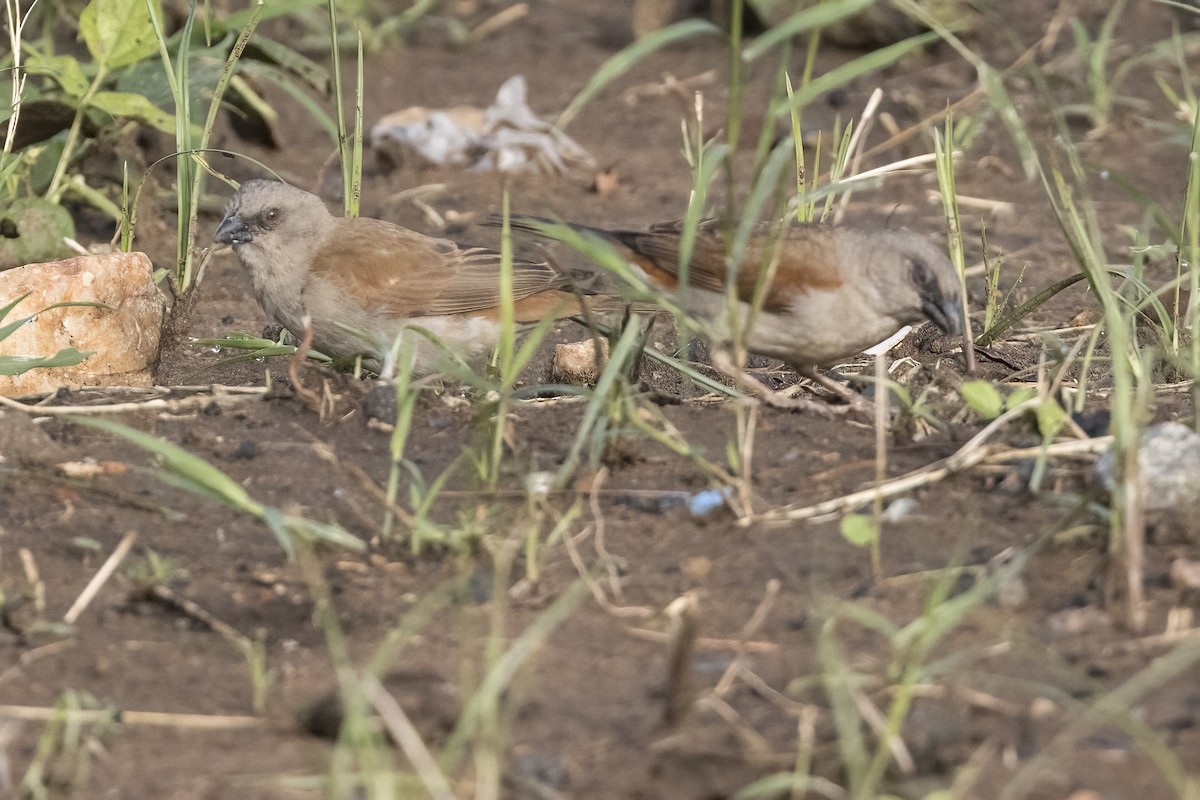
(833, 292)
(358, 283)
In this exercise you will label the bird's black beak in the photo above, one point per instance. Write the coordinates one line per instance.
(233, 231)
(945, 312)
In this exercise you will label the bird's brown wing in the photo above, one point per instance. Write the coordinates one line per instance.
(807, 261)
(406, 274)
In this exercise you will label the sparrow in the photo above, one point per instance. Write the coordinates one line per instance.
(832, 291)
(356, 283)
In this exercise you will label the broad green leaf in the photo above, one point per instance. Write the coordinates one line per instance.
(35, 232)
(858, 529)
(1050, 418)
(149, 79)
(16, 365)
(983, 397)
(1018, 396)
(119, 32)
(136, 107)
(63, 69)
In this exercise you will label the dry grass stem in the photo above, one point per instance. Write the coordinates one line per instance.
(34, 579)
(405, 735)
(878, 723)
(201, 722)
(192, 404)
(971, 454)
(680, 687)
(100, 578)
(166, 595)
(497, 21)
(704, 643)
(328, 455)
(570, 542)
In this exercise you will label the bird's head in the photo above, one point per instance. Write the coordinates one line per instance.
(263, 212)
(917, 280)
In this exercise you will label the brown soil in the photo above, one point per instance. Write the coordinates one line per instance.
(587, 716)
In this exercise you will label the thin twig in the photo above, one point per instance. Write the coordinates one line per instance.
(761, 612)
(610, 566)
(406, 736)
(196, 612)
(100, 578)
(192, 403)
(212, 722)
(34, 579)
(969, 455)
(704, 643)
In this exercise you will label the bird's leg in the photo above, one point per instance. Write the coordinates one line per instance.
(853, 399)
(721, 360)
(297, 359)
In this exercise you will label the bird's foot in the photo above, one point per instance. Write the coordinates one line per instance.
(298, 360)
(787, 399)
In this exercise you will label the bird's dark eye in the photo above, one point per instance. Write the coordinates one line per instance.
(923, 276)
(270, 218)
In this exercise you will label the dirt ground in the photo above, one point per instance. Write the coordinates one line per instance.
(1003, 698)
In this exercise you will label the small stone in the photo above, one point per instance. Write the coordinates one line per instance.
(696, 568)
(577, 364)
(23, 443)
(705, 504)
(1077, 621)
(1168, 476)
(1185, 574)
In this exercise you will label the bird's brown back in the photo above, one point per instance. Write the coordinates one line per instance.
(805, 258)
(407, 274)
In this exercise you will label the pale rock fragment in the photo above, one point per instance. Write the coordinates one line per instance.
(123, 338)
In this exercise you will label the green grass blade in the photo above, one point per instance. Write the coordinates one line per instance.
(817, 16)
(623, 61)
(842, 75)
(195, 471)
(17, 365)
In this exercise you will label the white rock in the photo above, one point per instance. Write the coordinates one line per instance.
(123, 339)
(577, 364)
(1168, 475)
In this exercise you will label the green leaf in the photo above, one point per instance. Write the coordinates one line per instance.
(983, 397)
(1018, 396)
(859, 530)
(119, 32)
(1050, 418)
(63, 69)
(16, 365)
(134, 106)
(36, 231)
